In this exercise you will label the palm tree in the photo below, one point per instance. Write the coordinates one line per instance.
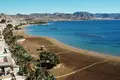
(8, 34)
(25, 61)
(48, 59)
(9, 26)
(40, 74)
(3, 21)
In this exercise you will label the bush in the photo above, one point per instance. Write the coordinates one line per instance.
(3, 21)
(48, 59)
(9, 26)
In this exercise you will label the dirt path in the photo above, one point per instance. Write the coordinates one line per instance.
(82, 69)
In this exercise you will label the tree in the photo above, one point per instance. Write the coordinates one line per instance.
(40, 74)
(16, 28)
(3, 21)
(15, 38)
(48, 59)
(9, 26)
(25, 61)
(8, 34)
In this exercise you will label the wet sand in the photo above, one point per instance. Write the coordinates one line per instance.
(73, 59)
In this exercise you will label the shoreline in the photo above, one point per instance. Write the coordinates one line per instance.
(82, 51)
(71, 48)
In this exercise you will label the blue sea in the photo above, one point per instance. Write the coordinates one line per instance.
(101, 36)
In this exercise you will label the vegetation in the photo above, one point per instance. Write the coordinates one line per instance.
(25, 61)
(37, 22)
(48, 59)
(3, 21)
(17, 26)
(9, 26)
(40, 74)
(15, 38)
(8, 35)
(32, 21)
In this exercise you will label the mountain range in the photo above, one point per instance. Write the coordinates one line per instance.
(18, 18)
(69, 16)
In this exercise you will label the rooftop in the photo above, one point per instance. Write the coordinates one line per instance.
(4, 61)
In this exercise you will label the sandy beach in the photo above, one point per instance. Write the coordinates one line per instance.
(76, 64)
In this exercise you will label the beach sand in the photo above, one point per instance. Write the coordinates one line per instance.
(76, 64)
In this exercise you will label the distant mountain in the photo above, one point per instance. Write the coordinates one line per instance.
(74, 16)
(58, 16)
(83, 15)
(106, 15)
(61, 16)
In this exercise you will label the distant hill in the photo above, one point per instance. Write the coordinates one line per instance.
(106, 15)
(14, 20)
(83, 15)
(69, 16)
(60, 16)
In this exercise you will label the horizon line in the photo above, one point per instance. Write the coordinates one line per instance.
(59, 12)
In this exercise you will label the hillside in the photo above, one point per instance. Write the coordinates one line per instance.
(69, 16)
(24, 18)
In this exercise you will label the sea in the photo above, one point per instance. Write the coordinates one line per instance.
(102, 36)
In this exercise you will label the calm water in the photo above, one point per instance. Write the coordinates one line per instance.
(99, 36)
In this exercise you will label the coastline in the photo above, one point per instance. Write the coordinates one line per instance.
(71, 59)
(70, 48)
(81, 51)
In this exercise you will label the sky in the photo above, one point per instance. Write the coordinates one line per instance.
(63, 6)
